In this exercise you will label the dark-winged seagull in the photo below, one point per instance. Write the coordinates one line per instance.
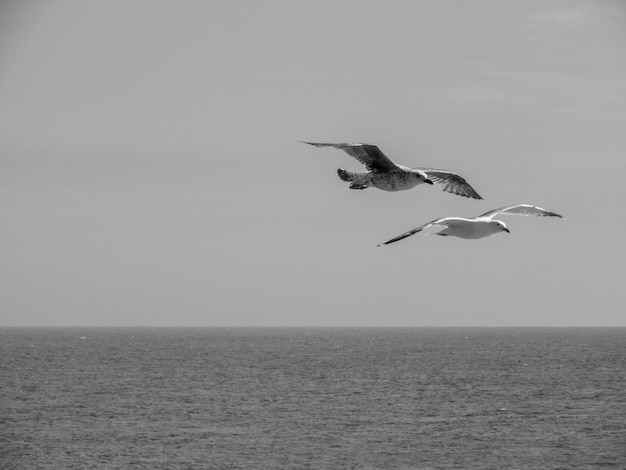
(389, 176)
(478, 227)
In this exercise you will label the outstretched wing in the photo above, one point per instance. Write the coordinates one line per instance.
(451, 182)
(441, 222)
(369, 155)
(520, 209)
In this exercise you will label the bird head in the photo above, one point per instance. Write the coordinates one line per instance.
(502, 226)
(422, 176)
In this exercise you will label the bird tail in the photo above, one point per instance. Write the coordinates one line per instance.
(357, 180)
(345, 175)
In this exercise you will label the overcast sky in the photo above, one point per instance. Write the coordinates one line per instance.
(151, 174)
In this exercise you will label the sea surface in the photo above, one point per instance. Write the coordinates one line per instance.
(312, 398)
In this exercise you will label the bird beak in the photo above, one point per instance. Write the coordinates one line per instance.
(428, 181)
(506, 230)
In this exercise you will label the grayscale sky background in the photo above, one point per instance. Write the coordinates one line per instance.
(151, 174)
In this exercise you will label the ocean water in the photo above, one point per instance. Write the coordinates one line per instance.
(291, 398)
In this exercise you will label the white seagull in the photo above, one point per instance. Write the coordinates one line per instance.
(389, 176)
(478, 227)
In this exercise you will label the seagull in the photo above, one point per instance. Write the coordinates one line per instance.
(478, 227)
(389, 176)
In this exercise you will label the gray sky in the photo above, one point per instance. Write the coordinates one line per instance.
(150, 170)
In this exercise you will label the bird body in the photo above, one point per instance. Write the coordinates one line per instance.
(395, 180)
(469, 229)
(388, 176)
(478, 227)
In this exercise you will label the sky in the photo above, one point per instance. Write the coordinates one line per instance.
(151, 172)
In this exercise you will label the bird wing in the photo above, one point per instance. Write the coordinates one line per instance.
(441, 222)
(369, 155)
(520, 209)
(451, 182)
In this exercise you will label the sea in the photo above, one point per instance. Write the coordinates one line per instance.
(312, 398)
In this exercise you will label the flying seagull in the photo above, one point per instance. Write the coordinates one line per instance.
(478, 227)
(389, 176)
